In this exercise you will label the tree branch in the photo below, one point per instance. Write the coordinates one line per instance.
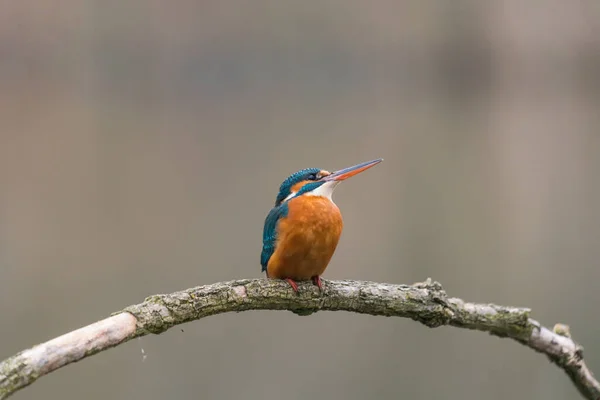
(424, 302)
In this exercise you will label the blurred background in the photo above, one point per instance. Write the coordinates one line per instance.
(142, 144)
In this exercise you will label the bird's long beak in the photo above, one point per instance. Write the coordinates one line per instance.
(346, 173)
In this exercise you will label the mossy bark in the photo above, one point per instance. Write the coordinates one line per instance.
(424, 302)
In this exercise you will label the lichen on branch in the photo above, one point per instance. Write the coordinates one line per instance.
(424, 302)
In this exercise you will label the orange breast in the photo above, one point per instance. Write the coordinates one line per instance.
(306, 239)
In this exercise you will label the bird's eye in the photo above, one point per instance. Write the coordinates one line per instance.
(312, 177)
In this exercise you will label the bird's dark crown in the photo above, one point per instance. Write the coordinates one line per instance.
(308, 174)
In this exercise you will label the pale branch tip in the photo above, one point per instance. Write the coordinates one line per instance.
(425, 302)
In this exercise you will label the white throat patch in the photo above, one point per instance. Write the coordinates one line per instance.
(325, 190)
(289, 196)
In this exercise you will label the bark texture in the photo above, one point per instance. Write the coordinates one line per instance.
(424, 302)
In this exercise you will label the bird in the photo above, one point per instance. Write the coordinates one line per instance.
(302, 230)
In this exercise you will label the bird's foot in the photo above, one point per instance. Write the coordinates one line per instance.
(317, 281)
(293, 284)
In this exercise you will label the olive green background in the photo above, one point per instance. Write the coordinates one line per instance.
(142, 144)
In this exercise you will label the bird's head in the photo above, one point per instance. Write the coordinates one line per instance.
(318, 182)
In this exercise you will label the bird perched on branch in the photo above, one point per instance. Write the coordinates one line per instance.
(303, 229)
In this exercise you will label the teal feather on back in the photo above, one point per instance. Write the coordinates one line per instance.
(281, 209)
(270, 233)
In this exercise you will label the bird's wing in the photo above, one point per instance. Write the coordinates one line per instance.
(270, 233)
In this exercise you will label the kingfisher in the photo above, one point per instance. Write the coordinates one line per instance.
(302, 230)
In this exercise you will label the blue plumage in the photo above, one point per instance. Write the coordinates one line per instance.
(308, 174)
(281, 209)
(298, 243)
(270, 233)
(309, 187)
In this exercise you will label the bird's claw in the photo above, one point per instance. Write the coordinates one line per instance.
(293, 284)
(317, 281)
